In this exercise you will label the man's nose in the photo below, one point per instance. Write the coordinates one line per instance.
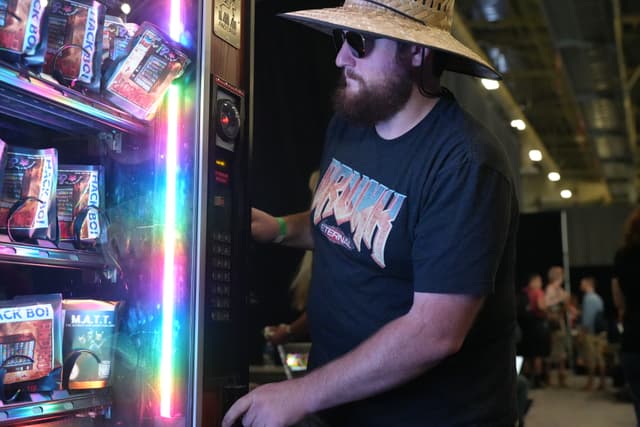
(344, 57)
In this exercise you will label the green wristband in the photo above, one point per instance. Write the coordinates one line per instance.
(282, 227)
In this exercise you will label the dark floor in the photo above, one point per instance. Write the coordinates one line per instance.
(571, 406)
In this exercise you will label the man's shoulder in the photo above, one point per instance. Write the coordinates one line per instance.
(462, 130)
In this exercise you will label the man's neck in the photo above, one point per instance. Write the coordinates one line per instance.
(417, 108)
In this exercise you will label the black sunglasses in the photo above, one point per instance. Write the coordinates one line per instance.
(359, 44)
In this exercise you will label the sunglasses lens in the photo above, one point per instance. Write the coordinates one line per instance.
(338, 39)
(356, 42)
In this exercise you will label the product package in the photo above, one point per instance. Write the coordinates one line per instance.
(30, 339)
(21, 29)
(90, 328)
(28, 193)
(116, 37)
(141, 79)
(52, 380)
(74, 43)
(80, 198)
(3, 159)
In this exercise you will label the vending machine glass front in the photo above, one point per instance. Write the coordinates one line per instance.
(99, 143)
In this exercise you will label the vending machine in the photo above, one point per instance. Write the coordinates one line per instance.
(124, 218)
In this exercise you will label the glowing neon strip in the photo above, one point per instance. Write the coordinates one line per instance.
(176, 27)
(170, 235)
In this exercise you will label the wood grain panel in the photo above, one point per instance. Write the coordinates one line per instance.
(227, 62)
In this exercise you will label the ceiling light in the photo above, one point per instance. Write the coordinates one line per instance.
(488, 10)
(535, 155)
(554, 176)
(490, 84)
(498, 58)
(566, 194)
(125, 8)
(518, 124)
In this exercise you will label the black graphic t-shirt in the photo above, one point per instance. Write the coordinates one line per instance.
(434, 210)
(627, 270)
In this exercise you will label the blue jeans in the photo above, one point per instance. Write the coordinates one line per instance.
(631, 368)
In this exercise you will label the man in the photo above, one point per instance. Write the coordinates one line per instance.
(593, 334)
(556, 300)
(411, 308)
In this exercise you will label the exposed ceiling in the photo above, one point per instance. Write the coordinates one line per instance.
(573, 69)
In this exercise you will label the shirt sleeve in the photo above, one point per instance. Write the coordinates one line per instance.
(462, 230)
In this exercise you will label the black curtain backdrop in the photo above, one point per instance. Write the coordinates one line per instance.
(539, 245)
(294, 76)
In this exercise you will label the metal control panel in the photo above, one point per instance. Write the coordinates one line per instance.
(225, 201)
(227, 237)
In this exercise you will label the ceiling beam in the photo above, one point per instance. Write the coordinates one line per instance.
(505, 98)
(633, 79)
(622, 69)
(631, 19)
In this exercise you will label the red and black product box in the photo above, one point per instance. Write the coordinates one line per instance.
(74, 43)
(89, 342)
(30, 340)
(80, 198)
(28, 193)
(141, 79)
(52, 379)
(21, 28)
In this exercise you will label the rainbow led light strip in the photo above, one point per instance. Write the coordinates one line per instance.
(170, 234)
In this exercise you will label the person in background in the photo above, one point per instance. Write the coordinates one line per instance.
(592, 337)
(626, 293)
(556, 300)
(573, 312)
(535, 331)
(298, 329)
(413, 227)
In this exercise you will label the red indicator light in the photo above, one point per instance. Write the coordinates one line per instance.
(224, 120)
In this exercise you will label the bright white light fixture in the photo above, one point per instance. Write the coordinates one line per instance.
(566, 194)
(518, 124)
(535, 155)
(554, 176)
(125, 8)
(490, 84)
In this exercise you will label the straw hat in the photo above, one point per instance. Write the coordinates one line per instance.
(421, 22)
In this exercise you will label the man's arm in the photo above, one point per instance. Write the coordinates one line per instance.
(618, 298)
(433, 329)
(265, 229)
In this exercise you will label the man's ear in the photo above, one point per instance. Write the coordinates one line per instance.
(417, 52)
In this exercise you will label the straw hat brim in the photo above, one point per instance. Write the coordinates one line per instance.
(387, 24)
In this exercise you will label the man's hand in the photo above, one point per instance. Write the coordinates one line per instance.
(278, 404)
(264, 227)
(277, 334)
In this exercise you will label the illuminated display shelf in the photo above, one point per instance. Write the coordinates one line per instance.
(61, 404)
(54, 106)
(57, 107)
(48, 255)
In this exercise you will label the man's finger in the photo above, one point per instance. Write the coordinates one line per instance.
(237, 409)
